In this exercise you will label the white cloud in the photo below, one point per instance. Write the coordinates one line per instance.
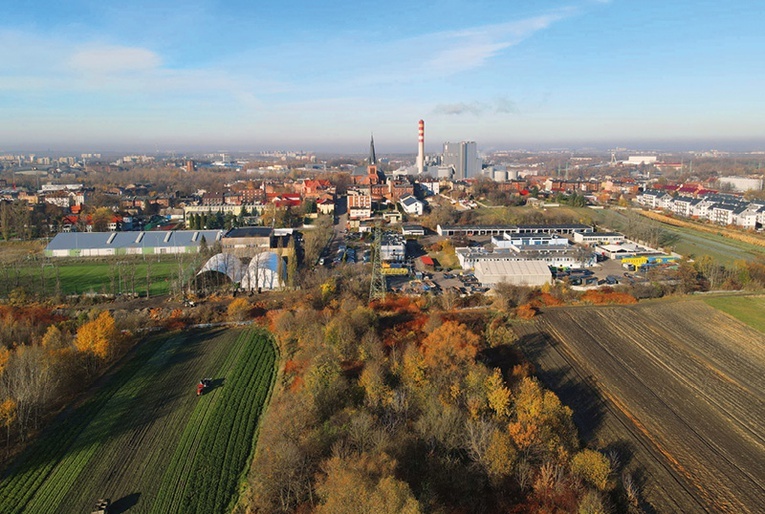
(111, 59)
(458, 51)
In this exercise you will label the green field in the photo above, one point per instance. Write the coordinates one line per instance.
(145, 440)
(747, 309)
(691, 243)
(46, 277)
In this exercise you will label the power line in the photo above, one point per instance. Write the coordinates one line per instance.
(377, 285)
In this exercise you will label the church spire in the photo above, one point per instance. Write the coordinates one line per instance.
(372, 156)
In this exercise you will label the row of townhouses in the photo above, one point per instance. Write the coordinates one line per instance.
(721, 209)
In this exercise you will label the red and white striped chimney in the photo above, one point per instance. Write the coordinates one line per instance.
(421, 148)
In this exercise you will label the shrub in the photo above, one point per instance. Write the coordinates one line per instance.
(239, 310)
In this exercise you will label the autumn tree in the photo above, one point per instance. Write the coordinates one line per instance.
(498, 394)
(592, 467)
(53, 339)
(239, 309)
(543, 427)
(101, 218)
(8, 415)
(292, 263)
(449, 347)
(28, 380)
(97, 338)
(6, 220)
(364, 484)
(317, 238)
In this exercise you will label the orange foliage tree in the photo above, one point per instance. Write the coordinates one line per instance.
(449, 347)
(525, 311)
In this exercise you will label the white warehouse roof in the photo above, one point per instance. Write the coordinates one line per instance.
(521, 273)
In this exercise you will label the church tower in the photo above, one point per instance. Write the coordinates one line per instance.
(373, 174)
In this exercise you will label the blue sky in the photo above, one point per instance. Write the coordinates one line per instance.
(322, 76)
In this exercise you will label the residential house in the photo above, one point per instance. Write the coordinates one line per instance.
(412, 205)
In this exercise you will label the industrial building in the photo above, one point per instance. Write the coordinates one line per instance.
(515, 241)
(556, 256)
(498, 230)
(596, 238)
(101, 244)
(518, 273)
(393, 247)
(463, 158)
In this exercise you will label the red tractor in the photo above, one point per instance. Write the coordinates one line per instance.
(203, 386)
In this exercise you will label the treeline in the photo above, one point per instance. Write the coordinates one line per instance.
(442, 213)
(50, 355)
(46, 357)
(399, 406)
(19, 220)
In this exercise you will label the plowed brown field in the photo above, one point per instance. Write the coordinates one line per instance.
(676, 387)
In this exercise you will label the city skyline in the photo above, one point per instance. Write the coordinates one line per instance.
(299, 75)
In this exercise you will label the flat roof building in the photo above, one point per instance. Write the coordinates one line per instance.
(519, 273)
(100, 244)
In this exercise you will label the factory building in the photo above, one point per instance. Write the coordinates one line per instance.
(518, 273)
(463, 158)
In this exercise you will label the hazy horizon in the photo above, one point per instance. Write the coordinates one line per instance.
(382, 148)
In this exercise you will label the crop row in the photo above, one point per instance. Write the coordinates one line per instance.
(113, 417)
(212, 454)
(62, 452)
(215, 468)
(224, 450)
(178, 469)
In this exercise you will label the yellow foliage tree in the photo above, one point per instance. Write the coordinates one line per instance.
(497, 394)
(500, 455)
(98, 337)
(413, 368)
(53, 339)
(364, 484)
(239, 309)
(372, 379)
(8, 414)
(5, 355)
(592, 467)
(542, 423)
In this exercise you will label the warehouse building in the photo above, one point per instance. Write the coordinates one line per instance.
(498, 230)
(518, 273)
(102, 244)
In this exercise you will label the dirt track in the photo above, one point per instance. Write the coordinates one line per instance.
(674, 387)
